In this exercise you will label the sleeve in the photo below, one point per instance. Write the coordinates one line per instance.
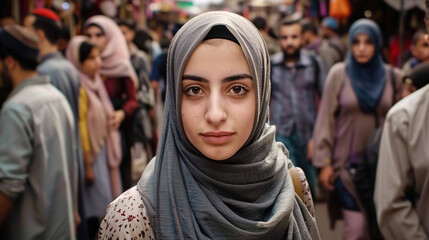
(154, 73)
(324, 131)
(321, 77)
(83, 127)
(395, 214)
(306, 192)
(131, 102)
(126, 218)
(398, 83)
(15, 149)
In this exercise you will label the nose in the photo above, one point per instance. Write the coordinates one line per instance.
(362, 47)
(93, 39)
(216, 111)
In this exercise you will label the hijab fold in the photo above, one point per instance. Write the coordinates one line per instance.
(248, 196)
(115, 56)
(99, 107)
(369, 79)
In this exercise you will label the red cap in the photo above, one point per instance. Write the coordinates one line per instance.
(47, 13)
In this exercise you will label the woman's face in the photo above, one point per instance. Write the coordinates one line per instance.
(92, 63)
(96, 36)
(218, 99)
(363, 48)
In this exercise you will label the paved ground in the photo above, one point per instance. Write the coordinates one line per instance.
(322, 220)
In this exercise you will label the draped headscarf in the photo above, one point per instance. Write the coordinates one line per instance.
(369, 79)
(248, 196)
(99, 107)
(115, 56)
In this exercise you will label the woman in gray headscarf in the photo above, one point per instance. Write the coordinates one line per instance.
(218, 173)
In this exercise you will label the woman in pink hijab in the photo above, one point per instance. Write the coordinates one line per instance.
(119, 79)
(100, 139)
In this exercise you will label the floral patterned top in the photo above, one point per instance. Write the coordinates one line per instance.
(127, 218)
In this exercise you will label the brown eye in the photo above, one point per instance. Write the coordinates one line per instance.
(238, 90)
(193, 91)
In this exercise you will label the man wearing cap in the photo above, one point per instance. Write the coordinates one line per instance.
(38, 171)
(321, 47)
(401, 189)
(328, 30)
(52, 63)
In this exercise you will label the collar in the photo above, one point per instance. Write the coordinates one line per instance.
(314, 46)
(52, 55)
(36, 80)
(133, 49)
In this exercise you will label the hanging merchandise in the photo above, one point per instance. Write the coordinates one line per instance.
(109, 8)
(339, 8)
(323, 11)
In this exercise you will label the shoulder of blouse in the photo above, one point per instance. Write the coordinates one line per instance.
(336, 74)
(126, 218)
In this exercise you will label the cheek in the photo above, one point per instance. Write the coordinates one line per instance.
(354, 50)
(244, 115)
(191, 115)
(371, 50)
(101, 43)
(298, 41)
(88, 67)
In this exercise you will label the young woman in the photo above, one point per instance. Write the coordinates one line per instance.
(356, 98)
(120, 81)
(100, 141)
(218, 172)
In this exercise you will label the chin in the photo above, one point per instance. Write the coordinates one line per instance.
(217, 156)
(362, 60)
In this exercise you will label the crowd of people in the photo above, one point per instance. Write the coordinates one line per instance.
(230, 129)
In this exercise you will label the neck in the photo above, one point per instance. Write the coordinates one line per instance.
(314, 39)
(129, 44)
(47, 48)
(291, 60)
(21, 76)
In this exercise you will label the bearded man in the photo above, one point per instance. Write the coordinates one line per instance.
(297, 78)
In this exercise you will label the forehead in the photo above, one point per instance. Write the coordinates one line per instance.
(216, 48)
(125, 28)
(421, 40)
(291, 29)
(362, 37)
(93, 28)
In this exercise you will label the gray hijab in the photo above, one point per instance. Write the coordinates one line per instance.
(248, 196)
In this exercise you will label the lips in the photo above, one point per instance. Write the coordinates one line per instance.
(217, 138)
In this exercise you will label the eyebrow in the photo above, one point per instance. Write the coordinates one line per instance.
(227, 79)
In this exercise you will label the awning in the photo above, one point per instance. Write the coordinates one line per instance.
(408, 4)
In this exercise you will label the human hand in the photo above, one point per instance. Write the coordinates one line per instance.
(89, 171)
(77, 219)
(310, 150)
(115, 119)
(327, 177)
